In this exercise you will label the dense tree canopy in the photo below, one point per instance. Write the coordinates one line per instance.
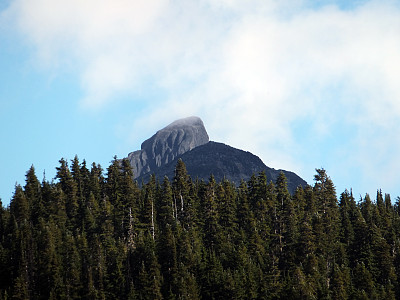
(89, 235)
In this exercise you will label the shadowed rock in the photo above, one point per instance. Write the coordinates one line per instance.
(223, 161)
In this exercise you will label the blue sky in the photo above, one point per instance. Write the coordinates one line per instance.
(302, 84)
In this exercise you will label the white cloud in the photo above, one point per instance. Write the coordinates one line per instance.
(250, 70)
(105, 41)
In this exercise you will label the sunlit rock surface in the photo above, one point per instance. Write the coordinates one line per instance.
(168, 143)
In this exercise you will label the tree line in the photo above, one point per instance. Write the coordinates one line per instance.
(91, 234)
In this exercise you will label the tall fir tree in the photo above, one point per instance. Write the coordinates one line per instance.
(69, 189)
(33, 192)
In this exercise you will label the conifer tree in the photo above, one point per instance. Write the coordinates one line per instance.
(348, 215)
(19, 206)
(115, 284)
(210, 213)
(85, 179)
(382, 265)
(148, 213)
(167, 258)
(360, 250)
(247, 224)
(299, 287)
(70, 190)
(148, 269)
(364, 287)
(49, 278)
(327, 225)
(21, 245)
(4, 264)
(114, 193)
(212, 276)
(71, 266)
(287, 225)
(166, 215)
(33, 194)
(228, 223)
(299, 202)
(182, 200)
(96, 181)
(79, 182)
(339, 284)
(264, 200)
(127, 209)
(367, 210)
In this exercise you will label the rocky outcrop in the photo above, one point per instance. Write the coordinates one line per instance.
(168, 143)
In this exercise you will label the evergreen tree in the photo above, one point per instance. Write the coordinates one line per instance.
(287, 226)
(19, 206)
(71, 266)
(33, 194)
(96, 181)
(4, 249)
(21, 245)
(49, 274)
(339, 284)
(69, 189)
(247, 222)
(80, 192)
(127, 208)
(167, 258)
(327, 225)
(364, 287)
(148, 213)
(166, 214)
(114, 193)
(148, 269)
(367, 209)
(263, 198)
(228, 223)
(182, 200)
(210, 212)
(301, 287)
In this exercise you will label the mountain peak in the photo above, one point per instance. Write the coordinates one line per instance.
(163, 147)
(190, 131)
(192, 121)
(187, 139)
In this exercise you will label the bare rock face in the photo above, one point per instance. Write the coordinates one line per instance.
(176, 139)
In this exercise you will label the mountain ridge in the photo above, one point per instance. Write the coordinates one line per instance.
(223, 162)
(187, 139)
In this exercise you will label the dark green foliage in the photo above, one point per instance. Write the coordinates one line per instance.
(90, 236)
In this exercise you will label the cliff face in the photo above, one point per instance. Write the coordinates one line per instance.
(168, 143)
(187, 139)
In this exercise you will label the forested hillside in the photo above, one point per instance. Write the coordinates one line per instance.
(94, 234)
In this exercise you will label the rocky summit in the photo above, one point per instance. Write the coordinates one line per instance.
(168, 143)
(187, 139)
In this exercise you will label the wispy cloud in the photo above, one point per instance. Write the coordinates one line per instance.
(253, 71)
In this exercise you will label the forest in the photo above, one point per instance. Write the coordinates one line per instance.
(91, 233)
